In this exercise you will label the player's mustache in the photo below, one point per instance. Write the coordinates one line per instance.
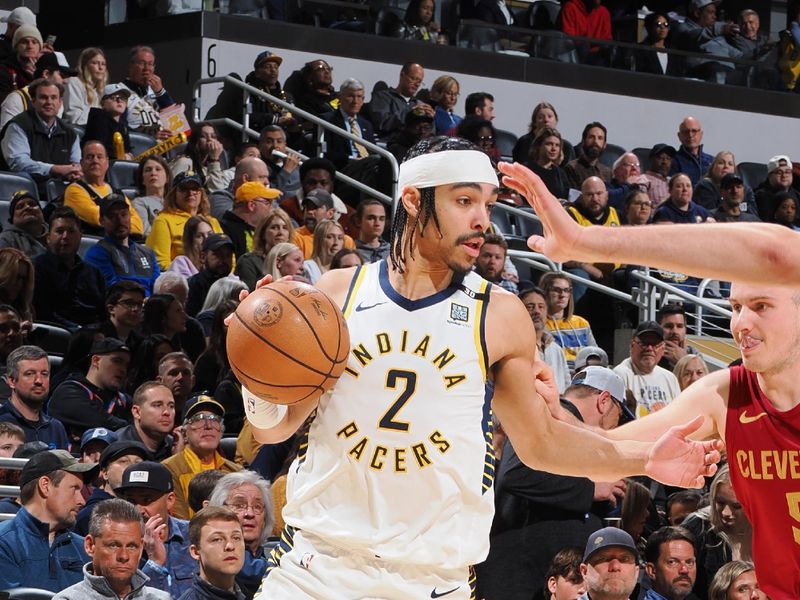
(463, 239)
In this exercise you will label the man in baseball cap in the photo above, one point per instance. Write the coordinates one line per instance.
(50, 494)
(148, 485)
(252, 201)
(95, 399)
(28, 231)
(94, 441)
(652, 387)
(604, 381)
(590, 356)
(216, 262)
(114, 459)
(609, 566)
(203, 425)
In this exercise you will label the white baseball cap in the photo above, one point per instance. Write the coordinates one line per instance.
(22, 15)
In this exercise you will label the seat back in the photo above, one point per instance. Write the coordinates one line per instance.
(55, 189)
(51, 338)
(505, 141)
(23, 593)
(87, 241)
(11, 182)
(141, 142)
(122, 174)
(753, 174)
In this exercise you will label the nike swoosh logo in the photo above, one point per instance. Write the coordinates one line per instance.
(435, 594)
(744, 419)
(361, 306)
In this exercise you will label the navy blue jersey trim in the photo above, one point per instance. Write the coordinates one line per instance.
(412, 305)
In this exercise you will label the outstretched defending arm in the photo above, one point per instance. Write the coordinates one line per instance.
(549, 445)
(773, 252)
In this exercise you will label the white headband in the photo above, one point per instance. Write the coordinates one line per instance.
(448, 166)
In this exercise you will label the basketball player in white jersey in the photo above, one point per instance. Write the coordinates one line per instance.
(754, 407)
(391, 495)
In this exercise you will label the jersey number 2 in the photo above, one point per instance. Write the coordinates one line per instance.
(393, 377)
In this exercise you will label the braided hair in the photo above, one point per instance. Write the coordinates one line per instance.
(427, 209)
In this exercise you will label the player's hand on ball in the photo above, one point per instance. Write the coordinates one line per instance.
(266, 280)
(676, 460)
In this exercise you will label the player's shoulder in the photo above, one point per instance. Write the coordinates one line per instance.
(336, 282)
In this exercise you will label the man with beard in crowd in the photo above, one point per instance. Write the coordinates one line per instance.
(593, 143)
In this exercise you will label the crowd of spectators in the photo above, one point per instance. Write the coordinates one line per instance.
(725, 47)
(135, 407)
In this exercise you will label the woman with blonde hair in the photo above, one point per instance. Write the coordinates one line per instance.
(16, 283)
(85, 91)
(689, 369)
(284, 259)
(273, 229)
(736, 581)
(444, 95)
(707, 192)
(328, 240)
(721, 530)
(186, 199)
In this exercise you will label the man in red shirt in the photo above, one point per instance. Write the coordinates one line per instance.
(587, 18)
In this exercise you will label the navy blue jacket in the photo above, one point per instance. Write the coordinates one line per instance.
(28, 559)
(669, 212)
(134, 262)
(47, 429)
(694, 166)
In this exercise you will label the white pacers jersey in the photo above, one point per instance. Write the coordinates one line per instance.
(399, 461)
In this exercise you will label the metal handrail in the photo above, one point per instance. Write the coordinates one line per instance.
(244, 126)
(704, 302)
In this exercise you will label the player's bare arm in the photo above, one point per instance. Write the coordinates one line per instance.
(335, 284)
(549, 445)
(707, 396)
(773, 251)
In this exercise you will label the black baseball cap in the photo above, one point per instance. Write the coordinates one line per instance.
(49, 61)
(215, 241)
(650, 327)
(17, 197)
(110, 201)
(318, 198)
(730, 179)
(147, 475)
(661, 148)
(122, 448)
(107, 346)
(56, 460)
(202, 402)
(186, 177)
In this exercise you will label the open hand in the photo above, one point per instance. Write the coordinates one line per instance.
(676, 460)
(560, 231)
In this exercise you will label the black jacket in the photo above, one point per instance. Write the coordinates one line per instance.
(536, 515)
(202, 590)
(50, 147)
(69, 296)
(237, 229)
(81, 405)
(101, 126)
(338, 147)
(199, 284)
(164, 451)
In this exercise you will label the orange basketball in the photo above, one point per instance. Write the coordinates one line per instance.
(288, 342)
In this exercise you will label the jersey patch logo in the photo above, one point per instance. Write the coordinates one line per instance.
(435, 594)
(459, 312)
(361, 306)
(745, 420)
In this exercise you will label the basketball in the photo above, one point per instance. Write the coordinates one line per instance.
(288, 342)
